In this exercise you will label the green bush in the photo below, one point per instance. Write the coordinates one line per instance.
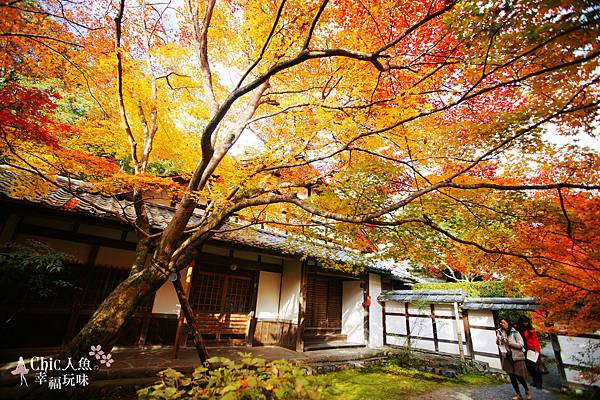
(473, 289)
(251, 378)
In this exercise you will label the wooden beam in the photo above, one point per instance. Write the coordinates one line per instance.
(74, 237)
(208, 259)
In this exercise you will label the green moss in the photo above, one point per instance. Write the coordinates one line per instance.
(390, 382)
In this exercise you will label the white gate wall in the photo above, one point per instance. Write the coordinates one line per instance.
(577, 352)
(483, 337)
(430, 327)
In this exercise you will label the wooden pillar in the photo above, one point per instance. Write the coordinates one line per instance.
(461, 351)
(366, 295)
(383, 323)
(559, 362)
(180, 321)
(302, 307)
(407, 325)
(467, 326)
(434, 326)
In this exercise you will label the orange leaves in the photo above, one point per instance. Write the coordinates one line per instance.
(124, 183)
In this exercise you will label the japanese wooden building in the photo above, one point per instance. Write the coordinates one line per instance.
(246, 286)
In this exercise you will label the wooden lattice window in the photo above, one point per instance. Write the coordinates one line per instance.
(239, 290)
(218, 293)
(206, 292)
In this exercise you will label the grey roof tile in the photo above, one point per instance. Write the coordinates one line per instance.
(101, 206)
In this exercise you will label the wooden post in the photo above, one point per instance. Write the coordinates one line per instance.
(407, 325)
(558, 356)
(461, 351)
(301, 309)
(383, 323)
(189, 317)
(434, 327)
(467, 326)
(180, 321)
(366, 294)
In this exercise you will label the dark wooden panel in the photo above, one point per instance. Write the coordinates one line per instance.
(323, 305)
(280, 333)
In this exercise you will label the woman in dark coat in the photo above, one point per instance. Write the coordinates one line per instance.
(532, 344)
(511, 346)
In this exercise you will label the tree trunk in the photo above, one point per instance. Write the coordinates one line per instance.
(104, 325)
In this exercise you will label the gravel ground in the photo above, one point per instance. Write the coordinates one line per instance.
(493, 392)
(501, 392)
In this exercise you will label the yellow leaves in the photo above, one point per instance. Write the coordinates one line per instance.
(29, 186)
(124, 183)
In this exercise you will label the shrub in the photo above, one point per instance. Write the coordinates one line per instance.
(473, 289)
(251, 378)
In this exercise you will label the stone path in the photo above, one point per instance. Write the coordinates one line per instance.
(551, 384)
(492, 392)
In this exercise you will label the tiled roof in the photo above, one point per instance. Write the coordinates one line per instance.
(460, 296)
(102, 206)
(429, 296)
(500, 303)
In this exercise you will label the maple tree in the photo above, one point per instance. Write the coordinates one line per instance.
(417, 127)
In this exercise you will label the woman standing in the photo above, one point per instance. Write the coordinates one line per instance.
(532, 345)
(511, 346)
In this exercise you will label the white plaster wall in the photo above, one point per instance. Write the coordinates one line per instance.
(396, 341)
(481, 318)
(353, 312)
(375, 312)
(421, 326)
(446, 329)
(493, 362)
(267, 301)
(290, 291)
(395, 324)
(484, 341)
(422, 344)
(394, 307)
(444, 310)
(574, 375)
(578, 351)
(165, 300)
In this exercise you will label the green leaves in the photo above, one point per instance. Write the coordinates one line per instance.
(250, 378)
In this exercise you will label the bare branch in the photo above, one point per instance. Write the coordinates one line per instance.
(122, 112)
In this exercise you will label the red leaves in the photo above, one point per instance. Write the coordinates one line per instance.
(70, 205)
(28, 127)
(26, 112)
